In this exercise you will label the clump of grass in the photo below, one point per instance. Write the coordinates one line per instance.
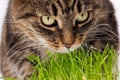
(82, 64)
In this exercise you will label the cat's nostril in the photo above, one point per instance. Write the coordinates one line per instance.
(68, 45)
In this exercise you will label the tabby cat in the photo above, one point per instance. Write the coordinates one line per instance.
(34, 26)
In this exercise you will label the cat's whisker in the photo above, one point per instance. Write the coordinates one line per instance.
(32, 30)
(89, 46)
(110, 38)
(38, 52)
(100, 39)
(16, 32)
(7, 21)
(21, 44)
(99, 34)
(103, 24)
(20, 51)
(98, 29)
(106, 12)
(105, 31)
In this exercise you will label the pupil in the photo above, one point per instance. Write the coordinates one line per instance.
(48, 18)
(82, 15)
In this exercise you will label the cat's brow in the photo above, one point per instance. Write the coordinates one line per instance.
(65, 8)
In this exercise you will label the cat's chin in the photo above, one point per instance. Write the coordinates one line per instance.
(62, 50)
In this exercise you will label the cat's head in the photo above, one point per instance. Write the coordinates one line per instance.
(58, 25)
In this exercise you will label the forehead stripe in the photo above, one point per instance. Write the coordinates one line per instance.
(79, 6)
(55, 11)
(65, 8)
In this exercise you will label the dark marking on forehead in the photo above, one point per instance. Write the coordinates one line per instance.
(87, 2)
(60, 5)
(54, 9)
(66, 1)
(67, 10)
(73, 5)
(79, 6)
(66, 5)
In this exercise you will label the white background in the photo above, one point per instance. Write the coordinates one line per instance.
(4, 4)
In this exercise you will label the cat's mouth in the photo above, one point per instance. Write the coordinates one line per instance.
(65, 48)
(60, 46)
(62, 50)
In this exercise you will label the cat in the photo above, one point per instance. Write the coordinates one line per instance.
(34, 26)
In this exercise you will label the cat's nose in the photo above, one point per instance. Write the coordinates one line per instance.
(68, 45)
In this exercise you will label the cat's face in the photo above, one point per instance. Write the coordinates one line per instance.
(58, 25)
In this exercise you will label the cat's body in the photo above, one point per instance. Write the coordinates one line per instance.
(34, 26)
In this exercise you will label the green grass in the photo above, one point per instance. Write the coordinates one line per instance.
(77, 65)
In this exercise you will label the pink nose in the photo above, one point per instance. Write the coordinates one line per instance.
(68, 45)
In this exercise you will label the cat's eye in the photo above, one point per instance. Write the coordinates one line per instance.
(48, 21)
(82, 17)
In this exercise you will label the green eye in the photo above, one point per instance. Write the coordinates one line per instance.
(83, 17)
(46, 20)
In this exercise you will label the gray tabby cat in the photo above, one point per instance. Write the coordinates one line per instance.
(34, 26)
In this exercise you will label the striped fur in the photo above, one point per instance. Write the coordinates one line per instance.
(23, 32)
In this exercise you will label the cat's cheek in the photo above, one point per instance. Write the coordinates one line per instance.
(60, 48)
